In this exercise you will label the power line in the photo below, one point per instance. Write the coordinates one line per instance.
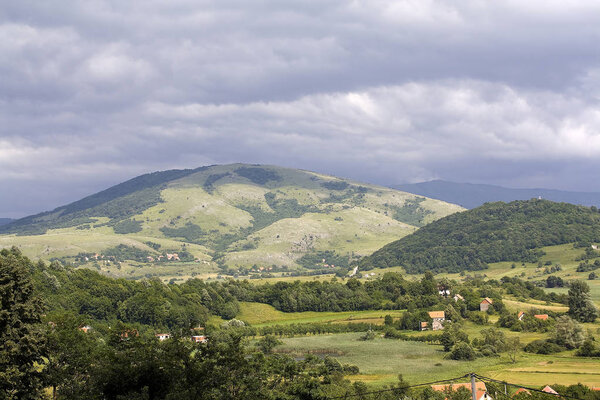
(484, 378)
(405, 387)
(480, 377)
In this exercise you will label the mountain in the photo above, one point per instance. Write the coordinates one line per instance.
(471, 195)
(232, 216)
(4, 221)
(491, 233)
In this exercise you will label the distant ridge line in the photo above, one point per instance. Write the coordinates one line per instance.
(472, 195)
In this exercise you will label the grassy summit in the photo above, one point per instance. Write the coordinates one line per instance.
(491, 233)
(231, 215)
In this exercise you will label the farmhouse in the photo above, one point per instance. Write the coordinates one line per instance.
(199, 339)
(480, 388)
(543, 317)
(443, 291)
(163, 336)
(485, 304)
(521, 315)
(437, 324)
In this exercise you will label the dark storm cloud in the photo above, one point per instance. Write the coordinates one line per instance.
(96, 92)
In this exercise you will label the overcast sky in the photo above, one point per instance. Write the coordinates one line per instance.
(96, 92)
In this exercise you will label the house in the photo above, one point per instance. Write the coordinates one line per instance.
(594, 247)
(443, 291)
(126, 334)
(172, 257)
(480, 389)
(543, 317)
(521, 315)
(199, 339)
(85, 328)
(438, 318)
(522, 390)
(458, 297)
(163, 336)
(548, 389)
(485, 304)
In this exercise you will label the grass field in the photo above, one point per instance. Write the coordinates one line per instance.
(381, 360)
(258, 314)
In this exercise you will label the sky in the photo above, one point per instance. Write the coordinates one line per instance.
(96, 92)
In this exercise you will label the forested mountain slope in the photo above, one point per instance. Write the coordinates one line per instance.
(234, 215)
(491, 233)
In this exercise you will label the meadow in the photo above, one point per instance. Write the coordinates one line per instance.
(381, 360)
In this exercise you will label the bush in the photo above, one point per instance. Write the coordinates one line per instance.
(369, 335)
(462, 351)
(543, 347)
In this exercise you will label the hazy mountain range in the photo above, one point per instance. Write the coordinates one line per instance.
(470, 195)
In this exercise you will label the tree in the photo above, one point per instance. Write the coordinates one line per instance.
(452, 335)
(581, 306)
(462, 351)
(513, 346)
(388, 320)
(568, 333)
(588, 349)
(21, 341)
(268, 343)
(70, 355)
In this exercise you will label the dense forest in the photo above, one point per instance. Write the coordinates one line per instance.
(491, 233)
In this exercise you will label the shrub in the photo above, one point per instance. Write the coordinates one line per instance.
(462, 351)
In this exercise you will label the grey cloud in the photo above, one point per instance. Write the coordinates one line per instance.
(96, 92)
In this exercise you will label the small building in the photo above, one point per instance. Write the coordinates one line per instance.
(548, 389)
(522, 390)
(480, 389)
(443, 291)
(521, 315)
(437, 323)
(163, 336)
(485, 304)
(85, 328)
(438, 318)
(199, 339)
(458, 297)
(543, 317)
(128, 333)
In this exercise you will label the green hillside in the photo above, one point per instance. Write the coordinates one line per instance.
(224, 218)
(491, 233)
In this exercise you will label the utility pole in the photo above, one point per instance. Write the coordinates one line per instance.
(473, 388)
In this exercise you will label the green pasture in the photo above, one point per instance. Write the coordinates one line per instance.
(258, 314)
(381, 360)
